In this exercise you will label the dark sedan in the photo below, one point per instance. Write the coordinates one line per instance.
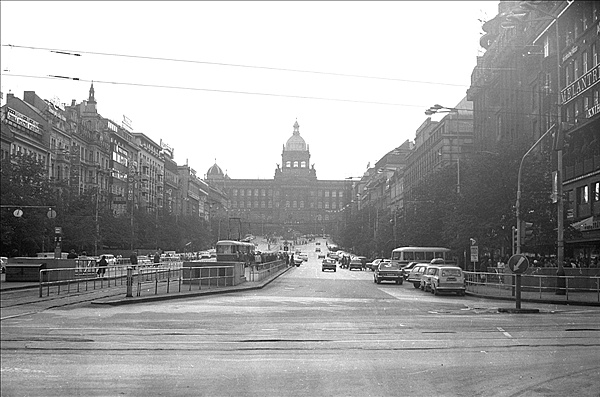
(387, 271)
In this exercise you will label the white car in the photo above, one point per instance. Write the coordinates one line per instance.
(303, 256)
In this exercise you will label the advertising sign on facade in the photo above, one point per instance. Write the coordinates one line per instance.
(23, 120)
(580, 85)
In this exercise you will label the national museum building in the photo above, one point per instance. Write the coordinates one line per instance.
(293, 200)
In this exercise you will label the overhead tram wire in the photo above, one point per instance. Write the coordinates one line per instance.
(78, 53)
(55, 77)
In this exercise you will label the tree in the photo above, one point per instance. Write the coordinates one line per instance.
(24, 184)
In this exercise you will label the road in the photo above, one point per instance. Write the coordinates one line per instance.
(309, 333)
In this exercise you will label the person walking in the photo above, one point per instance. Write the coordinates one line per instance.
(72, 255)
(156, 259)
(102, 264)
(133, 259)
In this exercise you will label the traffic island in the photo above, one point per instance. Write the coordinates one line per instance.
(515, 310)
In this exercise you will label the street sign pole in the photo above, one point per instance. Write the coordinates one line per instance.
(518, 264)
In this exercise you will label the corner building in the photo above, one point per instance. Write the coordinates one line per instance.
(293, 201)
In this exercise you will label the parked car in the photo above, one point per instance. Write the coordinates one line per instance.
(303, 256)
(321, 256)
(355, 264)
(297, 260)
(318, 249)
(363, 260)
(328, 264)
(425, 284)
(446, 279)
(387, 271)
(408, 268)
(414, 276)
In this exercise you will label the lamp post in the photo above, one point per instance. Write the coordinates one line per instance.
(443, 109)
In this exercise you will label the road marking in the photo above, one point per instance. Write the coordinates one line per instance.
(504, 332)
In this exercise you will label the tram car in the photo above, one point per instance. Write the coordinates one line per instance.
(235, 251)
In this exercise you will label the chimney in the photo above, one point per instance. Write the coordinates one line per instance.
(29, 97)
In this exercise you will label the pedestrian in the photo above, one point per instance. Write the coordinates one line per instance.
(72, 255)
(102, 264)
(156, 258)
(133, 259)
(292, 260)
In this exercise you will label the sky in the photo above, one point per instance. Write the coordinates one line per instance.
(225, 81)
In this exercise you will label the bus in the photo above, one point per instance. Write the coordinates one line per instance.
(404, 255)
(235, 251)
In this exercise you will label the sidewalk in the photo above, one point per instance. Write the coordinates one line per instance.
(590, 298)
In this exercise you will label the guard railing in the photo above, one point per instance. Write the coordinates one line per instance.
(535, 286)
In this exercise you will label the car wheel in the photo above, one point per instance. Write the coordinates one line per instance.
(400, 281)
(378, 281)
(416, 285)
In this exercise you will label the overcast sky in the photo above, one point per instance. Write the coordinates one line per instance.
(357, 76)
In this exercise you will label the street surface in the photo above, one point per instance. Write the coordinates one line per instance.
(308, 333)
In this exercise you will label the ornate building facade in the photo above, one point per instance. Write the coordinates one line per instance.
(294, 200)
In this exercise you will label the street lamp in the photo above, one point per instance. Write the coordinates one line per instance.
(443, 109)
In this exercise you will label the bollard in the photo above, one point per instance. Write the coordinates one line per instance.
(129, 282)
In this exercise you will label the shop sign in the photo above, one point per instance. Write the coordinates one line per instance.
(581, 85)
(569, 54)
(591, 112)
(23, 120)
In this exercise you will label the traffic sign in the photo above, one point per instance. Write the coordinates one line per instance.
(518, 263)
(474, 253)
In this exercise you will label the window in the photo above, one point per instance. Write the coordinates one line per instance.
(584, 59)
(288, 164)
(235, 192)
(301, 204)
(295, 164)
(303, 164)
(242, 192)
(256, 192)
(546, 46)
(594, 55)
(576, 69)
(326, 193)
(287, 204)
(596, 187)
(295, 204)
(249, 193)
(582, 192)
(327, 205)
(334, 193)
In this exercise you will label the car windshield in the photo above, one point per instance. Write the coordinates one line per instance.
(450, 272)
(389, 266)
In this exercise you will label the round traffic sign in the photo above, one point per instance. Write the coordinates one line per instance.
(51, 214)
(18, 213)
(518, 263)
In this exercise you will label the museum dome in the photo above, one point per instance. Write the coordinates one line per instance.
(215, 170)
(296, 142)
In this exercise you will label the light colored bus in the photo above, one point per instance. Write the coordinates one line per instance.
(404, 255)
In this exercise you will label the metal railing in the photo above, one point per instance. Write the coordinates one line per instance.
(87, 275)
(535, 286)
(259, 272)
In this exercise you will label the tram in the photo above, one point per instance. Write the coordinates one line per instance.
(235, 251)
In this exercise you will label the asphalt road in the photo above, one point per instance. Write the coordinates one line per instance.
(309, 333)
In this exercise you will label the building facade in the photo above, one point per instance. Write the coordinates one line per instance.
(294, 200)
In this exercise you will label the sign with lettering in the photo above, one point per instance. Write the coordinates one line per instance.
(580, 85)
(23, 120)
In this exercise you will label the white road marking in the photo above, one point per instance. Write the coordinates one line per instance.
(504, 332)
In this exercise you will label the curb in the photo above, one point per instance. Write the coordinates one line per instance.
(179, 295)
(544, 301)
